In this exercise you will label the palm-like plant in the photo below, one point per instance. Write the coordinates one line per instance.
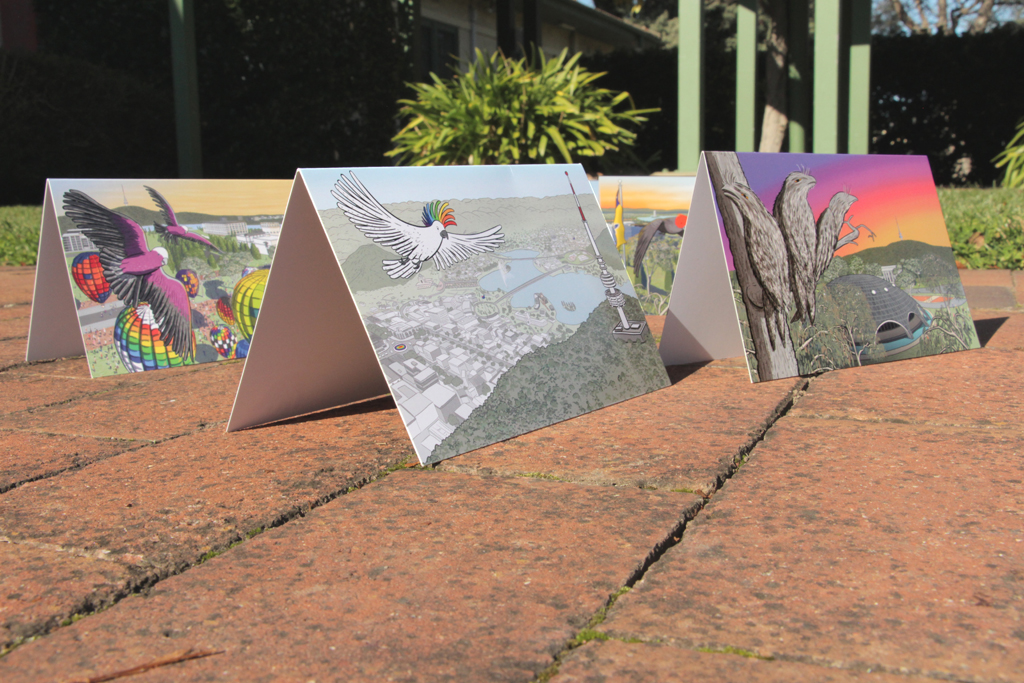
(1013, 159)
(505, 111)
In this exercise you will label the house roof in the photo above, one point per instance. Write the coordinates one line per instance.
(595, 23)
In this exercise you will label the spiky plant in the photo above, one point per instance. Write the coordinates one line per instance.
(505, 111)
(1013, 159)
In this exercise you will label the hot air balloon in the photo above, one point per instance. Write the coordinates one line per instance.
(224, 340)
(224, 310)
(140, 343)
(87, 272)
(242, 349)
(247, 299)
(190, 279)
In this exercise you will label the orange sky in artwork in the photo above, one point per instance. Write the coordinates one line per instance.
(664, 193)
(909, 208)
(216, 197)
(895, 194)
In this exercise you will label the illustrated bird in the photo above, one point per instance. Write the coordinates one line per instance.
(830, 222)
(793, 214)
(416, 244)
(134, 271)
(170, 230)
(766, 250)
(666, 226)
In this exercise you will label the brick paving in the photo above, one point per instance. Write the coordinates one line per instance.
(865, 525)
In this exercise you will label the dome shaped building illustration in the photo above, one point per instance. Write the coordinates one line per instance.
(898, 319)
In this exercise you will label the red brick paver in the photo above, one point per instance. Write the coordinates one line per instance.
(421, 576)
(856, 545)
(870, 536)
(599, 662)
(684, 437)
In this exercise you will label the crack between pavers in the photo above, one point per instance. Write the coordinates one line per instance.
(902, 421)
(144, 582)
(734, 651)
(141, 443)
(675, 536)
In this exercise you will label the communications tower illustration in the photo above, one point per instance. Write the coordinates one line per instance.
(626, 330)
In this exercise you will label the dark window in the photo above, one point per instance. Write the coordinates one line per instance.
(439, 49)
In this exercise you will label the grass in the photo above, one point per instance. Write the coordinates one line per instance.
(19, 234)
(986, 227)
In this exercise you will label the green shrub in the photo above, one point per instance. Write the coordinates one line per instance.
(986, 226)
(19, 234)
(504, 111)
(1013, 159)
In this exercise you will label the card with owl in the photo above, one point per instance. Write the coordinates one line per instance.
(815, 262)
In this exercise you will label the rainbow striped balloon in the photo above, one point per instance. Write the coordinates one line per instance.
(139, 341)
(247, 299)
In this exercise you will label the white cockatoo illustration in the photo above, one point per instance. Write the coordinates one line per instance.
(415, 244)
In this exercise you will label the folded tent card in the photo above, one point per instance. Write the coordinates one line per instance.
(148, 274)
(488, 301)
(646, 216)
(804, 263)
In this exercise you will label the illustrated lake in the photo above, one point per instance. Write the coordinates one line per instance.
(585, 291)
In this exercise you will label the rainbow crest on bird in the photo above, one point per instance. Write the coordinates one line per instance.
(438, 211)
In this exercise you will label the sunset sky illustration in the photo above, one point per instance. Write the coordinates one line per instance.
(894, 193)
(215, 197)
(663, 193)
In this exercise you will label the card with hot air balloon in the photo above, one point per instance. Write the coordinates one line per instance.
(806, 263)
(149, 274)
(646, 216)
(488, 301)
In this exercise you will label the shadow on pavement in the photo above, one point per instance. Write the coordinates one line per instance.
(987, 328)
(372, 405)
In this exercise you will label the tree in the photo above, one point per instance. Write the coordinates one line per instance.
(943, 17)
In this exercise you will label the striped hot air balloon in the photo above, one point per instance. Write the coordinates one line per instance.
(87, 272)
(140, 343)
(247, 299)
(224, 310)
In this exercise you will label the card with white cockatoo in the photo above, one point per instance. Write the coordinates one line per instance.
(142, 275)
(491, 299)
(815, 262)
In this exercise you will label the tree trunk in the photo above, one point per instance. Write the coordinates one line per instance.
(724, 167)
(776, 118)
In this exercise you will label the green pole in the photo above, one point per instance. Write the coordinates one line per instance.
(799, 94)
(690, 120)
(826, 76)
(186, 88)
(859, 136)
(746, 74)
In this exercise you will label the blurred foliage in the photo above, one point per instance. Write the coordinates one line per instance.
(506, 111)
(953, 98)
(63, 117)
(19, 234)
(277, 90)
(650, 77)
(986, 226)
(1013, 159)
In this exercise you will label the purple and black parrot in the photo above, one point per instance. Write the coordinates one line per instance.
(134, 271)
(170, 230)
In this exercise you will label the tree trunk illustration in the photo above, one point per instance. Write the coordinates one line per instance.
(724, 167)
